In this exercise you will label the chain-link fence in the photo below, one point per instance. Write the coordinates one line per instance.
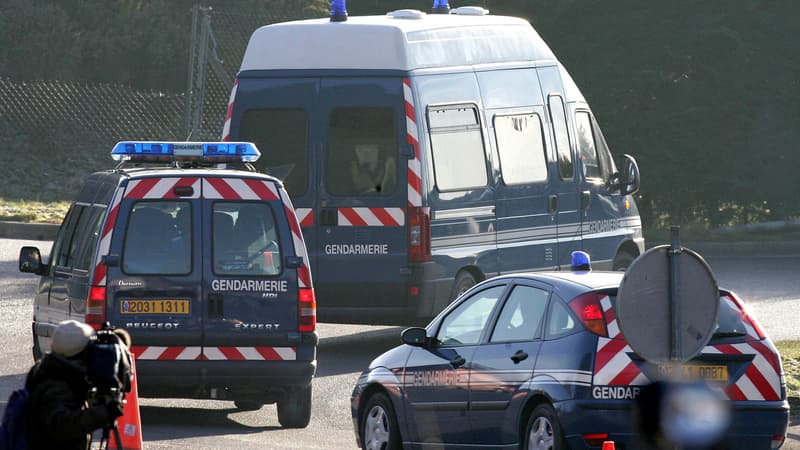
(53, 133)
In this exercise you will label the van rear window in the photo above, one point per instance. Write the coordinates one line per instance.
(281, 135)
(245, 239)
(158, 239)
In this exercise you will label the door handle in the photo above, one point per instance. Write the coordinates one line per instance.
(585, 199)
(458, 361)
(552, 204)
(216, 306)
(519, 356)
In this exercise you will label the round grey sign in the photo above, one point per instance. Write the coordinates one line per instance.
(643, 305)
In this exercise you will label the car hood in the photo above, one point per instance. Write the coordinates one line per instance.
(393, 358)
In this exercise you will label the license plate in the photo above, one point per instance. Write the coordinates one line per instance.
(698, 372)
(155, 306)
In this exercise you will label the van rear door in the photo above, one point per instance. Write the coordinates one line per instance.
(153, 289)
(336, 144)
(251, 295)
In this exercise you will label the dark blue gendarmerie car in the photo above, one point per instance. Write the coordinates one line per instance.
(538, 361)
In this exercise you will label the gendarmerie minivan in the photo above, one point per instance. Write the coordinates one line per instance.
(206, 268)
(426, 152)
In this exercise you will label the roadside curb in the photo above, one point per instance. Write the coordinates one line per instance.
(29, 231)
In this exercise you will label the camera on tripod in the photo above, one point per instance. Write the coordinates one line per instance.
(109, 365)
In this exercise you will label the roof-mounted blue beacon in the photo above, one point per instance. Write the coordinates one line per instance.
(338, 10)
(440, 7)
(580, 261)
(210, 152)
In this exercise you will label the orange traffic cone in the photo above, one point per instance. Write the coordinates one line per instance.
(609, 445)
(130, 424)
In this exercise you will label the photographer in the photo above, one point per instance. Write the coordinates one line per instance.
(60, 412)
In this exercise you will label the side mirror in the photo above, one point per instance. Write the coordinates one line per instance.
(30, 260)
(627, 179)
(418, 337)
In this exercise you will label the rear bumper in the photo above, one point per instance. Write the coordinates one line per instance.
(267, 380)
(753, 423)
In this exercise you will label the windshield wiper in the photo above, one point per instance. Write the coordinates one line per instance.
(726, 334)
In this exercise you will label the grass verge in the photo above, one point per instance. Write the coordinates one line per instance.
(790, 356)
(33, 211)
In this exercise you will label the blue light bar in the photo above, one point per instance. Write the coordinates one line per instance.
(338, 10)
(185, 151)
(440, 7)
(581, 261)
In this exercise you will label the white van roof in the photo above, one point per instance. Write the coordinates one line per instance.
(401, 40)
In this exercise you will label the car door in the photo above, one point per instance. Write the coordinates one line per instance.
(502, 366)
(437, 376)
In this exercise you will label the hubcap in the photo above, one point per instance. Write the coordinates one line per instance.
(541, 435)
(376, 429)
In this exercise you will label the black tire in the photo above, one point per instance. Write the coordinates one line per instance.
(622, 261)
(543, 432)
(248, 405)
(379, 430)
(464, 281)
(294, 409)
(37, 352)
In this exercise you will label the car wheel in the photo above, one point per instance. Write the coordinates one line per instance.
(294, 410)
(463, 282)
(543, 431)
(622, 261)
(248, 405)
(379, 429)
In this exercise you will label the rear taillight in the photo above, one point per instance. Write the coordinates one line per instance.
(419, 234)
(746, 315)
(590, 312)
(777, 441)
(96, 307)
(595, 439)
(307, 313)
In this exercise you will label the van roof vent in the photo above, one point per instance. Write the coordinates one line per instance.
(470, 11)
(407, 14)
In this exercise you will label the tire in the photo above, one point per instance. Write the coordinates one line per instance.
(37, 351)
(464, 281)
(379, 430)
(622, 261)
(294, 410)
(248, 405)
(543, 431)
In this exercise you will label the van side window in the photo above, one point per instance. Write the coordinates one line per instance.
(362, 152)
(459, 159)
(281, 134)
(586, 146)
(89, 224)
(62, 256)
(559, 120)
(520, 143)
(245, 239)
(154, 243)
(607, 166)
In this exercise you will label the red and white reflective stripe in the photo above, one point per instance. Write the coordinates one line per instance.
(161, 188)
(250, 353)
(179, 353)
(372, 217)
(305, 216)
(612, 365)
(226, 128)
(101, 270)
(761, 380)
(752, 334)
(414, 166)
(166, 353)
(239, 189)
(303, 273)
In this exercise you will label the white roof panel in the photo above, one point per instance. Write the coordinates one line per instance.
(394, 43)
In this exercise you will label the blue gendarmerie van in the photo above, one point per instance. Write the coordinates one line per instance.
(205, 267)
(427, 152)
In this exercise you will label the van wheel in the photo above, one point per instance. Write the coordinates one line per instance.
(379, 429)
(294, 409)
(543, 431)
(248, 405)
(622, 261)
(463, 282)
(37, 352)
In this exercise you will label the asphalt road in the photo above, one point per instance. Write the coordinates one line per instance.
(765, 277)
